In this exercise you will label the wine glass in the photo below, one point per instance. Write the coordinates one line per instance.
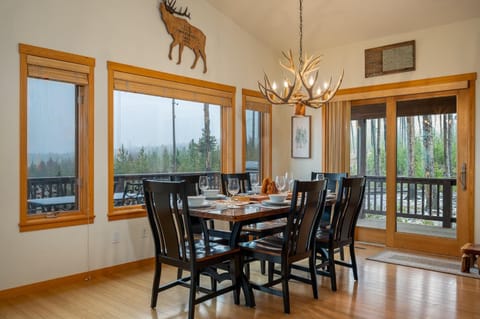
(254, 181)
(289, 180)
(280, 182)
(233, 186)
(203, 183)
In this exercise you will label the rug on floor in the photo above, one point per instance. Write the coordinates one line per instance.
(433, 263)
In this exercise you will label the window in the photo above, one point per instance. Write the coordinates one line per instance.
(162, 124)
(257, 134)
(56, 150)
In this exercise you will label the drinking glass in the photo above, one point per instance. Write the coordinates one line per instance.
(233, 186)
(289, 180)
(280, 182)
(254, 181)
(203, 183)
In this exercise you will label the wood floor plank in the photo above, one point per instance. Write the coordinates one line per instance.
(382, 291)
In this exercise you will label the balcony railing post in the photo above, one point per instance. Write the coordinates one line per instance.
(447, 204)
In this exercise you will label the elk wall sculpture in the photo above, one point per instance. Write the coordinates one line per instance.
(183, 33)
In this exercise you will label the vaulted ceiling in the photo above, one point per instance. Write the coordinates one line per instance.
(332, 23)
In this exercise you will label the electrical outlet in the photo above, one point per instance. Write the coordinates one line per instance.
(144, 233)
(116, 237)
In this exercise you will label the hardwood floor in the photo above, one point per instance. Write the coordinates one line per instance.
(383, 291)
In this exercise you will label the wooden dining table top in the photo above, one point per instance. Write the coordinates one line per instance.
(238, 212)
(243, 211)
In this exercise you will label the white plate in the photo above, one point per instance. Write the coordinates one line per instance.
(218, 196)
(270, 203)
(202, 205)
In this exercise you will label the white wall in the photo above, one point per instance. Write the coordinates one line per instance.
(131, 32)
(441, 51)
(123, 31)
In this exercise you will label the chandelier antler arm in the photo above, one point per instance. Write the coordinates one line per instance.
(272, 96)
(326, 95)
(291, 64)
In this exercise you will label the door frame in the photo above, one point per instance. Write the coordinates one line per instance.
(463, 86)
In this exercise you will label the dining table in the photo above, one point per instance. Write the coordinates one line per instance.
(245, 211)
(238, 214)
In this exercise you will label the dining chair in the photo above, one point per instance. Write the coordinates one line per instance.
(341, 232)
(193, 189)
(294, 244)
(175, 245)
(334, 184)
(256, 230)
(243, 179)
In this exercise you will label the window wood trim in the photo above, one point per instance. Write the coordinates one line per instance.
(79, 70)
(253, 100)
(134, 79)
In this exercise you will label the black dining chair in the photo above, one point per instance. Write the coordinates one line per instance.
(341, 232)
(243, 180)
(193, 189)
(257, 230)
(294, 244)
(175, 245)
(334, 184)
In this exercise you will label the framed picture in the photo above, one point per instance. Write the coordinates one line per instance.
(301, 136)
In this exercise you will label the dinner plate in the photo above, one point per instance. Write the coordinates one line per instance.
(270, 203)
(202, 205)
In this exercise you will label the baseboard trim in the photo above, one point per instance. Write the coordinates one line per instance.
(16, 291)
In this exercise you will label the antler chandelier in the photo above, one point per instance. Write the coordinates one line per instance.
(302, 90)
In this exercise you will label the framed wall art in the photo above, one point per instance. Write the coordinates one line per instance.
(301, 136)
(393, 58)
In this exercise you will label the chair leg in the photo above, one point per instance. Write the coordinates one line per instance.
(271, 268)
(313, 274)
(285, 290)
(235, 271)
(262, 267)
(193, 289)
(156, 283)
(342, 253)
(353, 261)
(247, 270)
(179, 273)
(331, 268)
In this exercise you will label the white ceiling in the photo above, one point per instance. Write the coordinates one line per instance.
(332, 23)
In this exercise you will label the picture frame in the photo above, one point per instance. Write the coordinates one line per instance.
(300, 139)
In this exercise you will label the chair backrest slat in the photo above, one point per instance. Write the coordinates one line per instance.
(346, 215)
(308, 201)
(170, 225)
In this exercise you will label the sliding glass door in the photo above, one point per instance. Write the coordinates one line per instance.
(417, 152)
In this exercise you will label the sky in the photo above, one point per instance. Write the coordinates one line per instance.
(140, 120)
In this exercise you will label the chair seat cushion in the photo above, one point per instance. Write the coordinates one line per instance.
(269, 245)
(209, 249)
(265, 228)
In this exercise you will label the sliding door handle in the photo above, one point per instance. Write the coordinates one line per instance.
(463, 176)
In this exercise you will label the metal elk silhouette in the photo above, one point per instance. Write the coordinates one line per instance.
(183, 33)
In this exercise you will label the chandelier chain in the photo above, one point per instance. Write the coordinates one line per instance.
(300, 57)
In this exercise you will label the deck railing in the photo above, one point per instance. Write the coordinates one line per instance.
(128, 189)
(418, 198)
